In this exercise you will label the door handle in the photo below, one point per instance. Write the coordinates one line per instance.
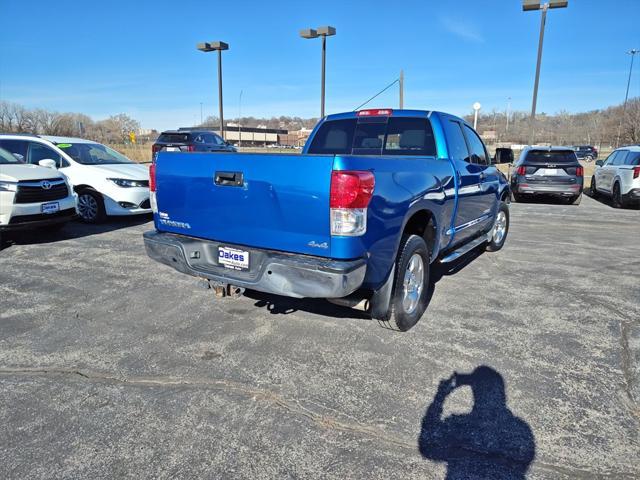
(229, 179)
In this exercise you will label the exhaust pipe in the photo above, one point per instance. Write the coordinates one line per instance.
(355, 302)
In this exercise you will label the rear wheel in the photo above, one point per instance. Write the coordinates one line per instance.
(500, 229)
(91, 206)
(616, 197)
(516, 197)
(410, 288)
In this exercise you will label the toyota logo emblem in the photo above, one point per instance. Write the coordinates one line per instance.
(45, 184)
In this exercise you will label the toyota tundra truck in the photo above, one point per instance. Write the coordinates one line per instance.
(359, 217)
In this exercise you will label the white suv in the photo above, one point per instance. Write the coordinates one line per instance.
(619, 176)
(107, 182)
(33, 196)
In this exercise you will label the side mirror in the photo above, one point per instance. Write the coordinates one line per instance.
(48, 163)
(599, 163)
(503, 155)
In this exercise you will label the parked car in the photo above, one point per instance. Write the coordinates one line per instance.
(107, 182)
(586, 152)
(618, 177)
(375, 197)
(32, 196)
(190, 140)
(548, 171)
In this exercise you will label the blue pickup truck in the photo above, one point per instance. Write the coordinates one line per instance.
(358, 218)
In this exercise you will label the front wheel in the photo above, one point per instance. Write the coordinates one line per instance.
(500, 229)
(592, 189)
(616, 197)
(409, 296)
(91, 206)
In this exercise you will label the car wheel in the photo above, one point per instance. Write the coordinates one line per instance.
(588, 158)
(592, 189)
(91, 206)
(409, 296)
(616, 197)
(576, 200)
(500, 229)
(516, 197)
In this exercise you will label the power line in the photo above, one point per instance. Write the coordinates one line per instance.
(380, 92)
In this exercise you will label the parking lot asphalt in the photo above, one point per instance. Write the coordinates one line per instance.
(114, 366)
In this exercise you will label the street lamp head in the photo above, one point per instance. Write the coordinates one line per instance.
(537, 5)
(212, 46)
(326, 31)
(477, 106)
(530, 5)
(309, 33)
(558, 3)
(633, 51)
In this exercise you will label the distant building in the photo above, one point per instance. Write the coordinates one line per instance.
(251, 136)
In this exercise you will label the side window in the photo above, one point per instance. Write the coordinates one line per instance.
(17, 147)
(334, 137)
(211, 138)
(633, 159)
(199, 139)
(409, 136)
(611, 158)
(620, 158)
(477, 147)
(455, 141)
(38, 152)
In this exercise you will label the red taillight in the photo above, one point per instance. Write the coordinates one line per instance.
(152, 177)
(579, 171)
(191, 148)
(636, 172)
(155, 149)
(351, 189)
(521, 171)
(375, 112)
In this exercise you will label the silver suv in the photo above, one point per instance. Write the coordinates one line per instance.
(618, 176)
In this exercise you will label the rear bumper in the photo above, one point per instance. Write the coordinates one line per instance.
(279, 273)
(548, 188)
(633, 195)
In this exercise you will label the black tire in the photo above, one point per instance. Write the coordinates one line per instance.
(405, 311)
(516, 197)
(592, 189)
(616, 196)
(91, 206)
(497, 240)
(576, 200)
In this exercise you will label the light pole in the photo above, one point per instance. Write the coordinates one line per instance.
(323, 32)
(476, 109)
(219, 47)
(201, 121)
(528, 5)
(631, 52)
(508, 113)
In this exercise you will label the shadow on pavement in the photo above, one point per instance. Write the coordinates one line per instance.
(604, 200)
(488, 442)
(71, 230)
(280, 305)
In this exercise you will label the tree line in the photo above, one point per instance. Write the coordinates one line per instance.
(615, 125)
(608, 127)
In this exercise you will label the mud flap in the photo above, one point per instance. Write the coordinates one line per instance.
(380, 303)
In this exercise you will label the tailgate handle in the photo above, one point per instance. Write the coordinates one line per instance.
(229, 179)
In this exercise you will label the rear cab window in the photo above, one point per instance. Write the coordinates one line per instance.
(375, 136)
(174, 138)
(551, 156)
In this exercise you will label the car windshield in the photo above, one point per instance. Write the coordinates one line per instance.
(7, 158)
(92, 153)
(557, 156)
(173, 138)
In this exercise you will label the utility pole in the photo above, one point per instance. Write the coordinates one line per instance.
(401, 89)
(239, 117)
(201, 121)
(508, 112)
(631, 52)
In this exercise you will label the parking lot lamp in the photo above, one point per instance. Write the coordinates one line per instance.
(476, 109)
(631, 52)
(528, 5)
(323, 32)
(219, 47)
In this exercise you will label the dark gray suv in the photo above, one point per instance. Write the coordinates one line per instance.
(190, 140)
(548, 171)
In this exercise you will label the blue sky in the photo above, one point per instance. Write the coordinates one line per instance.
(103, 58)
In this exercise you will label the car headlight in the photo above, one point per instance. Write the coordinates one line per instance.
(123, 182)
(8, 187)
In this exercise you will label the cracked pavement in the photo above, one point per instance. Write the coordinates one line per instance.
(112, 365)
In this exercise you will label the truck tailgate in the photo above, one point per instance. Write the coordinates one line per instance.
(271, 201)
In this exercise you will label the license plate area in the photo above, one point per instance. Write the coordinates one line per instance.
(233, 258)
(50, 207)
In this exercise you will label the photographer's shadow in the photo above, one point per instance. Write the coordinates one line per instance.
(488, 442)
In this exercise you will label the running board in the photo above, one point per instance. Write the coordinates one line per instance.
(465, 249)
